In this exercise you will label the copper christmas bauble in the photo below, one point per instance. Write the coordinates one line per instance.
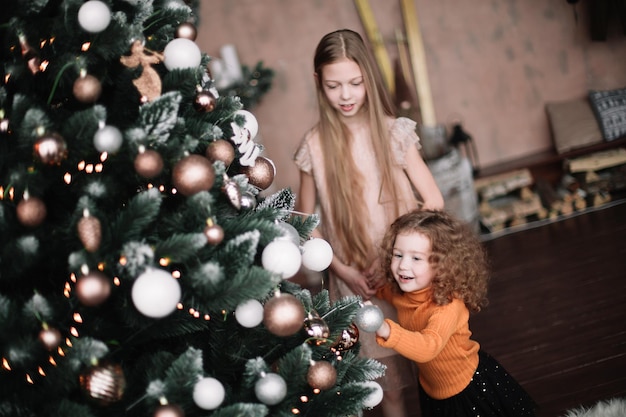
(283, 315)
(169, 410)
(321, 375)
(186, 30)
(192, 174)
(204, 101)
(87, 89)
(105, 384)
(221, 150)
(317, 329)
(347, 339)
(261, 174)
(31, 212)
(214, 234)
(50, 149)
(50, 338)
(93, 288)
(149, 163)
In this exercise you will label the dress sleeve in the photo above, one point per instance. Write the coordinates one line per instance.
(403, 135)
(302, 157)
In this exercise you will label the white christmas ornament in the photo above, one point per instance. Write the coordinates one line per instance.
(249, 313)
(369, 318)
(156, 293)
(251, 124)
(316, 254)
(282, 257)
(270, 389)
(108, 139)
(208, 393)
(375, 397)
(94, 16)
(181, 53)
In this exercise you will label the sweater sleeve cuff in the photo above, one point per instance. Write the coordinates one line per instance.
(392, 340)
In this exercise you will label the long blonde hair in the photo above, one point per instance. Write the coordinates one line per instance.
(345, 185)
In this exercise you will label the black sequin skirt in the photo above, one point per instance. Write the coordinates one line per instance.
(492, 392)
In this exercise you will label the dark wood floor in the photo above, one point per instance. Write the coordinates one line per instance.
(557, 314)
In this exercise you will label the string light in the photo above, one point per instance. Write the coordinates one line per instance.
(5, 364)
(67, 178)
(85, 46)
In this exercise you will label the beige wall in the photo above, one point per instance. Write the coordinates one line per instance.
(492, 65)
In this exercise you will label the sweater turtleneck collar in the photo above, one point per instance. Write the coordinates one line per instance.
(419, 297)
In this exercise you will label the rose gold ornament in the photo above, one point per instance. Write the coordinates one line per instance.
(50, 337)
(204, 101)
(221, 150)
(214, 233)
(93, 288)
(149, 82)
(186, 30)
(321, 375)
(148, 163)
(261, 174)
(169, 410)
(283, 315)
(31, 211)
(192, 174)
(87, 89)
(50, 149)
(105, 384)
(89, 232)
(347, 339)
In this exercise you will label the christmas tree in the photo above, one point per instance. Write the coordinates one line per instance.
(141, 271)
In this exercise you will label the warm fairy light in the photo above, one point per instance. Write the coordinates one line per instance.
(192, 311)
(68, 342)
(101, 266)
(67, 178)
(78, 318)
(52, 361)
(179, 306)
(29, 379)
(207, 317)
(73, 331)
(295, 411)
(89, 168)
(81, 165)
(150, 186)
(41, 372)
(60, 351)
(196, 314)
(123, 260)
(164, 262)
(304, 399)
(99, 167)
(85, 46)
(73, 277)
(7, 77)
(116, 281)
(42, 43)
(176, 274)
(316, 391)
(224, 312)
(11, 193)
(104, 156)
(5, 364)
(174, 191)
(52, 40)
(44, 65)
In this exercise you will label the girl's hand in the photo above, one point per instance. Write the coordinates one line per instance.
(356, 281)
(384, 330)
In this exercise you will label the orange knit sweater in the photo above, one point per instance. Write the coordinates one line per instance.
(436, 337)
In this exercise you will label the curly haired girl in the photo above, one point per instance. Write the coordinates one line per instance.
(437, 272)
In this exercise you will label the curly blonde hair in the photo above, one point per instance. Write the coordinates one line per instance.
(458, 258)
